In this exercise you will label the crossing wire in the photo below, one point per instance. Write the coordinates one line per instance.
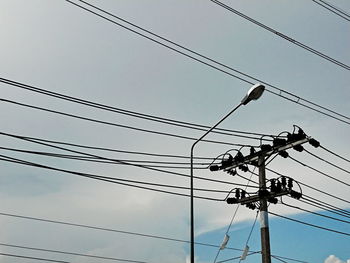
(33, 258)
(318, 171)
(69, 253)
(334, 11)
(306, 47)
(116, 124)
(296, 99)
(104, 158)
(98, 228)
(311, 225)
(328, 162)
(143, 116)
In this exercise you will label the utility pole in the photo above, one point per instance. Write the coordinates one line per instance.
(278, 187)
(264, 220)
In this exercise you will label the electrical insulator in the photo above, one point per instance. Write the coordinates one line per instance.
(295, 194)
(298, 148)
(273, 185)
(245, 252)
(263, 193)
(232, 172)
(290, 183)
(252, 150)
(314, 143)
(251, 206)
(279, 142)
(239, 157)
(301, 133)
(237, 194)
(231, 200)
(243, 194)
(224, 242)
(266, 147)
(278, 187)
(273, 200)
(214, 167)
(227, 162)
(284, 182)
(243, 167)
(284, 154)
(296, 136)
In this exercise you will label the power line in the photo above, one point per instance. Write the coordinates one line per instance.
(311, 187)
(108, 149)
(335, 154)
(325, 206)
(331, 10)
(318, 171)
(143, 116)
(291, 259)
(33, 258)
(69, 253)
(234, 258)
(103, 158)
(10, 159)
(98, 228)
(311, 225)
(112, 180)
(296, 99)
(148, 163)
(324, 160)
(315, 213)
(295, 42)
(109, 230)
(335, 8)
(116, 124)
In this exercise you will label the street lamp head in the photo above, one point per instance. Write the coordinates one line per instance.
(254, 93)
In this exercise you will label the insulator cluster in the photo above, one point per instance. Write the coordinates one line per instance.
(284, 184)
(240, 195)
(277, 146)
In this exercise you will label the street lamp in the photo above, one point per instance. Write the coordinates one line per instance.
(253, 93)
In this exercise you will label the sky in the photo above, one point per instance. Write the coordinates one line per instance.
(59, 47)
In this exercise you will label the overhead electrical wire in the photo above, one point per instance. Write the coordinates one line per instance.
(143, 116)
(98, 228)
(119, 181)
(15, 160)
(69, 253)
(325, 206)
(234, 258)
(295, 99)
(318, 171)
(293, 41)
(315, 213)
(311, 187)
(104, 158)
(147, 163)
(107, 149)
(311, 225)
(290, 259)
(33, 258)
(324, 160)
(116, 124)
(333, 9)
(335, 154)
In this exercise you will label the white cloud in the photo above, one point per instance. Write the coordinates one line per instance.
(334, 259)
